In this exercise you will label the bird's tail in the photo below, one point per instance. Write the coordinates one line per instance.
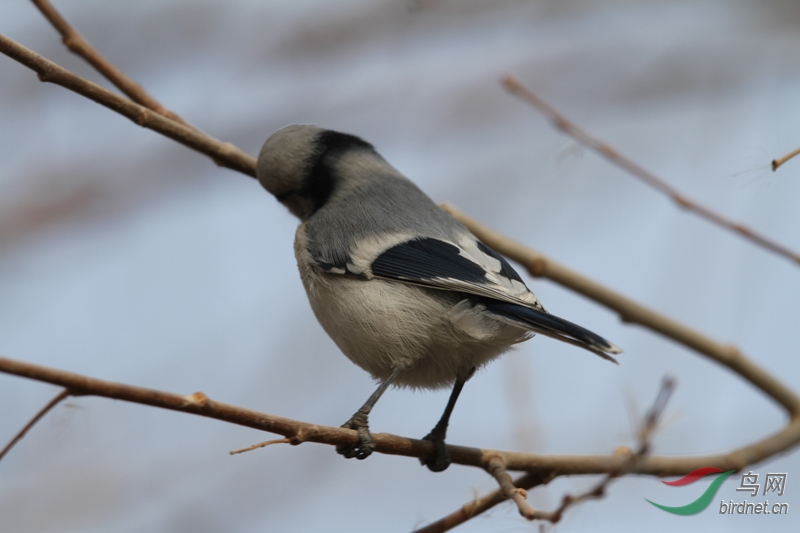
(555, 327)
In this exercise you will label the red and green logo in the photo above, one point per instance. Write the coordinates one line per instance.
(702, 502)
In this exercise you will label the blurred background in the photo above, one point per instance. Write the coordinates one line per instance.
(127, 257)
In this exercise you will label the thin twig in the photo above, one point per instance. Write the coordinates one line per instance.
(515, 492)
(78, 44)
(482, 504)
(653, 417)
(539, 265)
(55, 401)
(778, 162)
(570, 128)
(497, 469)
(649, 426)
(260, 445)
(598, 491)
(224, 154)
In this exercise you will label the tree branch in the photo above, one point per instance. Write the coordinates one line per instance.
(225, 154)
(77, 44)
(651, 421)
(483, 504)
(516, 490)
(565, 125)
(778, 162)
(299, 432)
(38, 416)
(538, 265)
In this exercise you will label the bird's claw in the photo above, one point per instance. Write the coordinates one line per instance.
(440, 459)
(365, 445)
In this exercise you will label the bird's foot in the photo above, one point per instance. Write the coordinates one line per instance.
(440, 459)
(365, 445)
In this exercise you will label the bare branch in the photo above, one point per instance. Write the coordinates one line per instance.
(516, 490)
(654, 415)
(52, 403)
(508, 489)
(482, 504)
(199, 404)
(778, 162)
(570, 128)
(225, 154)
(298, 432)
(651, 422)
(77, 44)
(539, 265)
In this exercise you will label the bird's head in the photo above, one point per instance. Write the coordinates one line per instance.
(302, 165)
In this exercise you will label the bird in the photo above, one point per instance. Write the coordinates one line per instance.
(404, 290)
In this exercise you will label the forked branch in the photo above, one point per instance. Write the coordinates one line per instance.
(38, 416)
(515, 490)
(225, 154)
(77, 44)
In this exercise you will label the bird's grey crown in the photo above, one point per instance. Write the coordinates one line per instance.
(282, 161)
(296, 165)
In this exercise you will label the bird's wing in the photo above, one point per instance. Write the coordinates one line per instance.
(464, 266)
(467, 266)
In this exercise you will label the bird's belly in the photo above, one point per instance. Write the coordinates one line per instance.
(381, 324)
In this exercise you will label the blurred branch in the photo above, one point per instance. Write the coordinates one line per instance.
(497, 469)
(77, 44)
(778, 162)
(539, 265)
(483, 504)
(18, 437)
(565, 125)
(651, 422)
(225, 154)
(515, 490)
(519, 495)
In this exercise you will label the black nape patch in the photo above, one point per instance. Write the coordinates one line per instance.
(332, 141)
(321, 180)
(505, 269)
(427, 259)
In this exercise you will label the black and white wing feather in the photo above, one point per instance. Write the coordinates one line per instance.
(470, 267)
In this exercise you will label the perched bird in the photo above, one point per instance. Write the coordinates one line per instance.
(402, 288)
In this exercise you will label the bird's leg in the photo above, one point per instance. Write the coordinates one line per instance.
(359, 421)
(440, 459)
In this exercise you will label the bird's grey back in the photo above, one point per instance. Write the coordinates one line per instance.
(371, 199)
